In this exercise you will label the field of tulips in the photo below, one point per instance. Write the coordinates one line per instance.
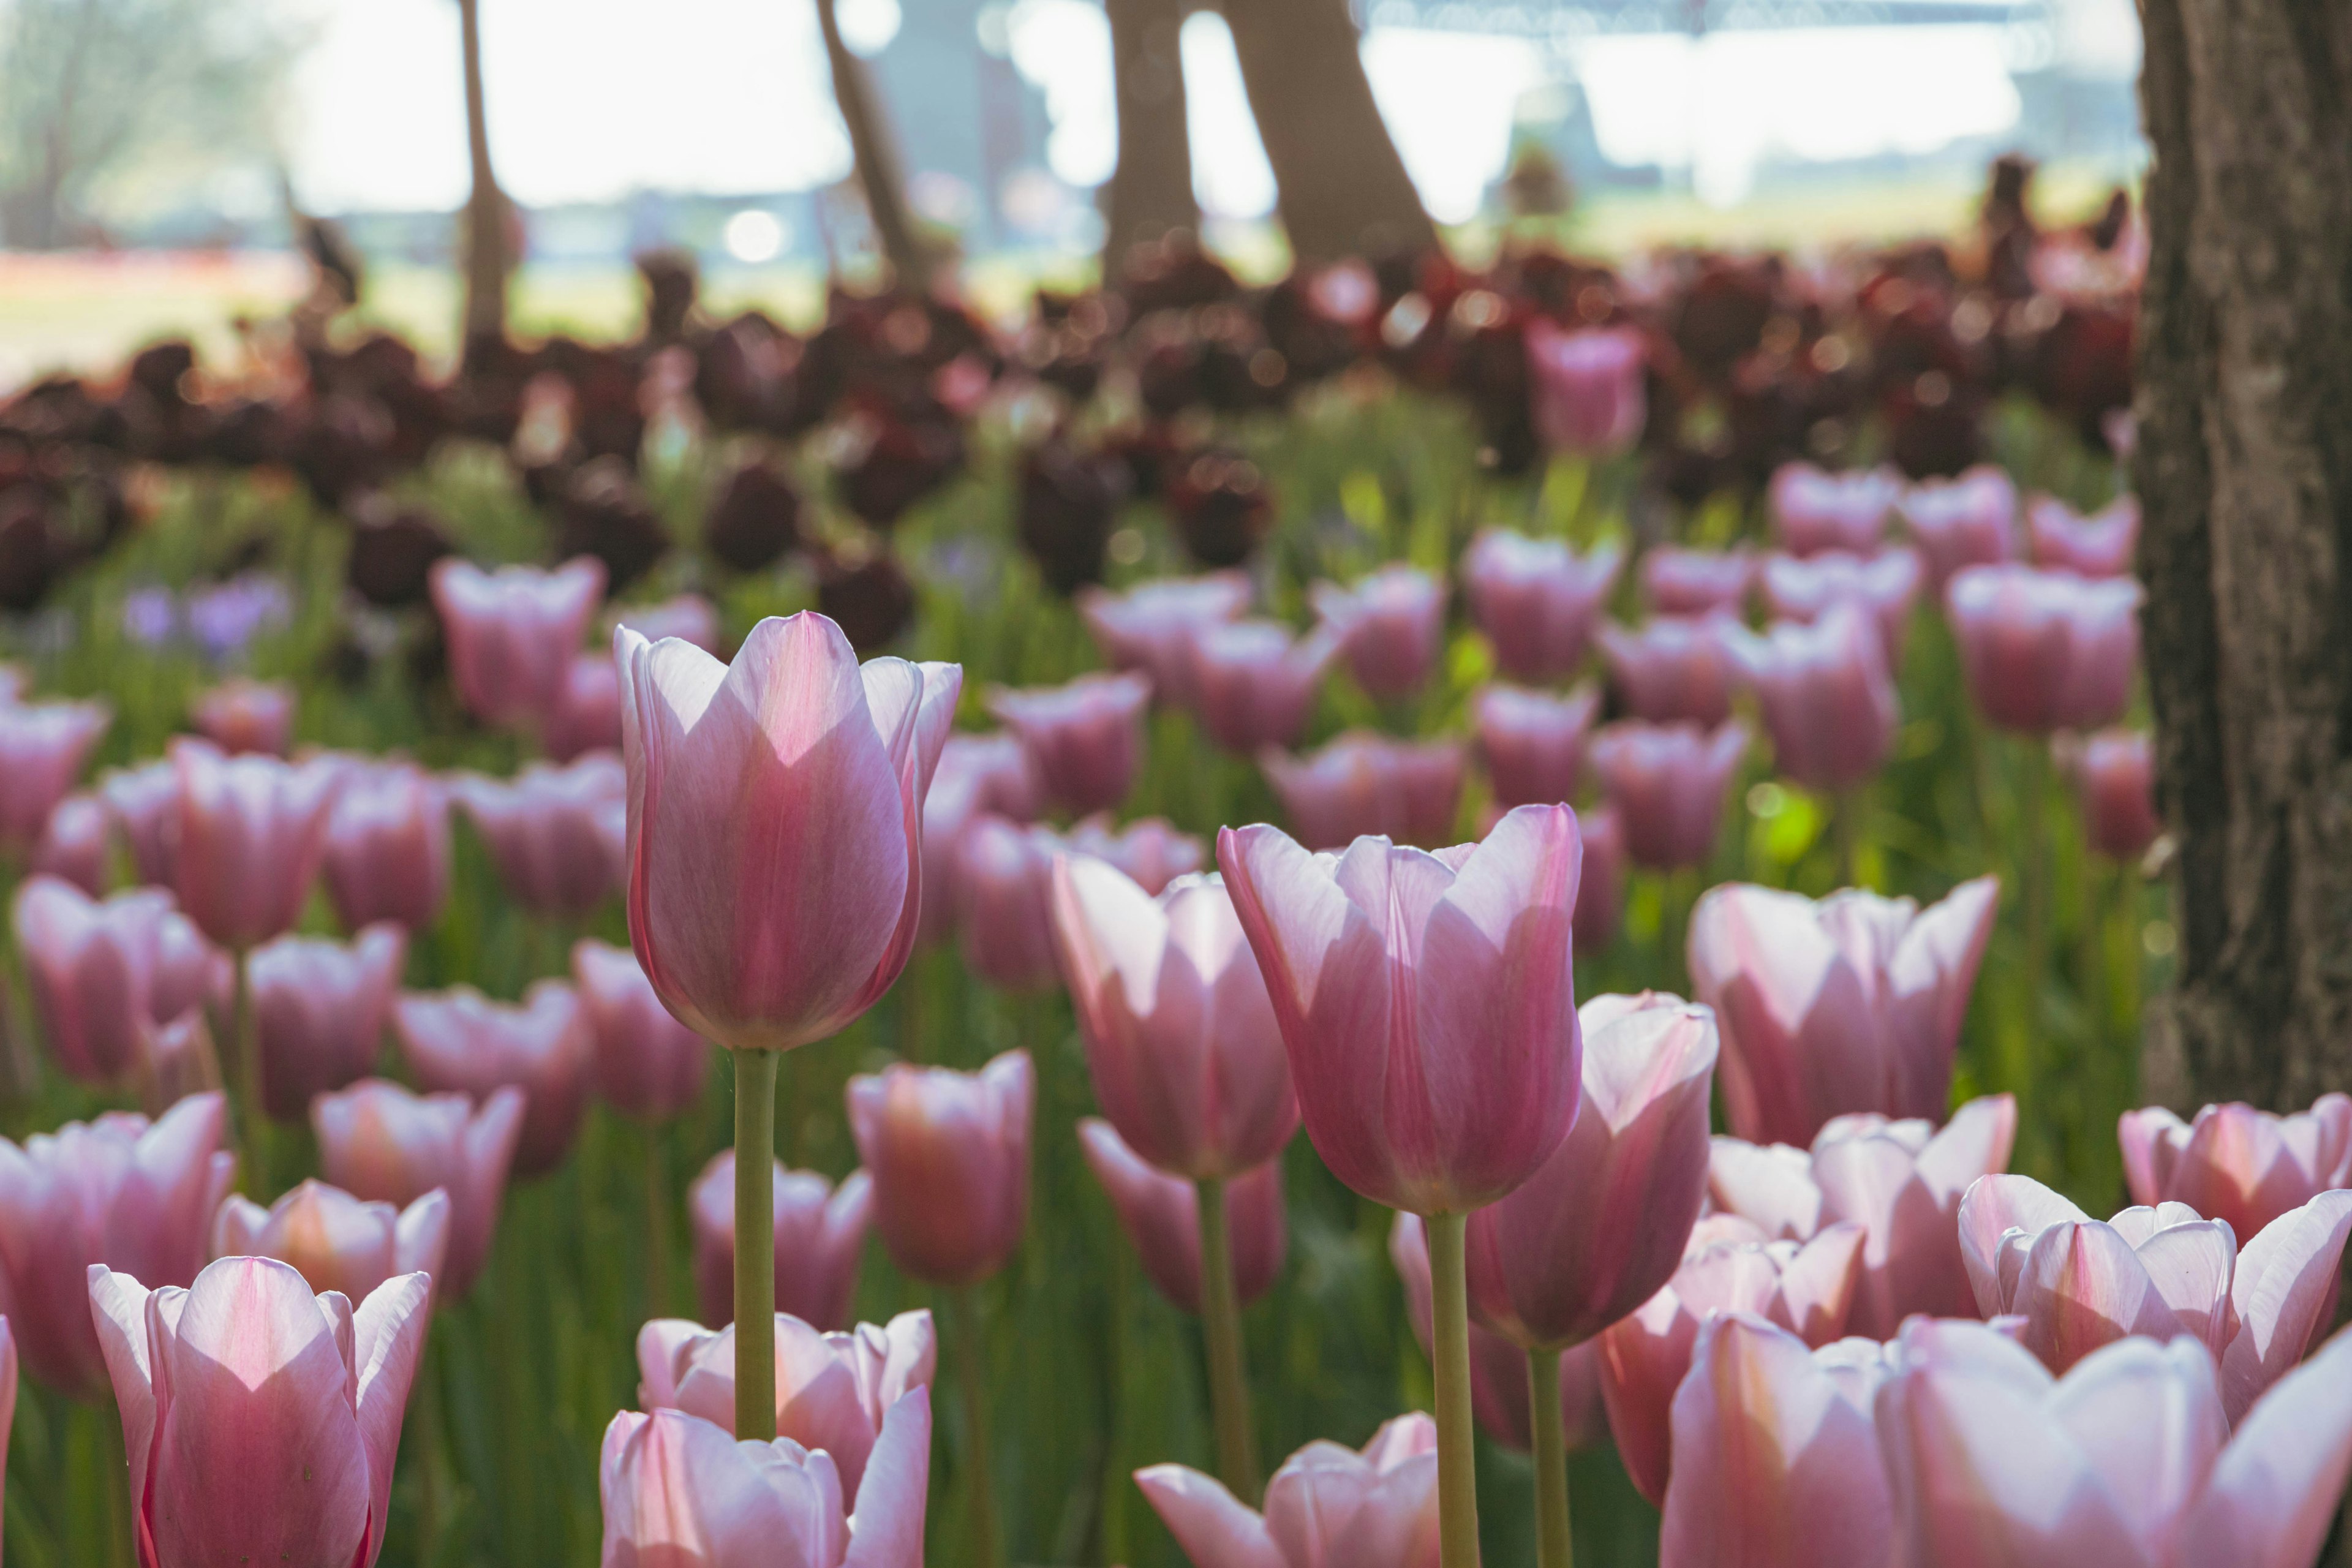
(410, 907)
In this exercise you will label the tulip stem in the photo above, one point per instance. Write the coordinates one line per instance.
(755, 1246)
(1554, 1547)
(2033, 874)
(983, 1550)
(244, 1052)
(657, 1265)
(1221, 1324)
(1845, 826)
(1458, 1480)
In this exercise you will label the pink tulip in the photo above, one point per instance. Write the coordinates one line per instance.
(76, 844)
(820, 1242)
(1161, 1216)
(682, 1492)
(1003, 881)
(460, 1041)
(103, 975)
(43, 746)
(1359, 785)
(689, 617)
(247, 839)
(1667, 783)
(1814, 510)
(1390, 627)
(587, 713)
(1850, 1004)
(120, 1191)
(1805, 1288)
(176, 1060)
(1827, 698)
(2238, 1163)
(1427, 1002)
(2045, 650)
(1599, 1228)
(319, 1012)
(1532, 742)
(1901, 1181)
(2116, 772)
(1325, 1507)
(949, 1152)
(1085, 739)
(1883, 587)
(262, 1421)
(2127, 1461)
(513, 633)
(1671, 669)
(1151, 626)
(1150, 850)
(547, 830)
(1181, 1043)
(644, 1062)
(2077, 1284)
(243, 715)
(1537, 600)
(387, 855)
(1957, 524)
(1601, 890)
(145, 804)
(976, 774)
(1256, 684)
(834, 1390)
(1588, 388)
(1697, 583)
(2099, 544)
(377, 1140)
(336, 1241)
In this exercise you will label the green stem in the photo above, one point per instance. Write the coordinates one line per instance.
(245, 1057)
(1221, 1322)
(1458, 1480)
(2033, 876)
(1555, 1548)
(657, 1242)
(983, 1550)
(755, 1246)
(432, 1440)
(1845, 824)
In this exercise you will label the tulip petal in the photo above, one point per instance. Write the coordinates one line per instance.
(2147, 1417)
(1313, 1499)
(886, 1528)
(1213, 1528)
(1396, 1526)
(1771, 1185)
(1990, 1209)
(2285, 1281)
(387, 1345)
(2272, 1495)
(119, 1307)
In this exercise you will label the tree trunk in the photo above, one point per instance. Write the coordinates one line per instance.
(879, 173)
(1150, 191)
(2244, 470)
(1344, 189)
(486, 264)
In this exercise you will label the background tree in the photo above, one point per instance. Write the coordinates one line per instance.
(879, 173)
(1150, 192)
(488, 264)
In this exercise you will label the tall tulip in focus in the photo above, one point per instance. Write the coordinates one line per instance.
(1537, 600)
(1324, 1507)
(775, 823)
(378, 1141)
(1427, 1003)
(820, 1241)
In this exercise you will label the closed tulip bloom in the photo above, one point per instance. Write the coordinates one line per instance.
(1360, 784)
(102, 973)
(1679, 581)
(177, 1059)
(336, 1241)
(1161, 1216)
(1850, 1004)
(2045, 650)
(1588, 388)
(1599, 1228)
(1601, 890)
(1668, 784)
(775, 825)
(1390, 627)
(546, 831)
(387, 855)
(249, 835)
(1967, 522)
(587, 713)
(75, 844)
(1672, 669)
(145, 804)
(1427, 1002)
(2099, 544)
(1085, 739)
(460, 1041)
(976, 774)
(642, 1062)
(2237, 1164)
(820, 1242)
(1324, 1507)
(2128, 1459)
(1883, 587)
(1151, 626)
(1826, 697)
(318, 1013)
(43, 746)
(949, 1153)
(2115, 772)
(1532, 742)
(1003, 882)
(682, 1492)
(1537, 600)
(1181, 1043)
(513, 633)
(689, 617)
(1256, 684)
(243, 715)
(1150, 851)
(377, 1140)
(261, 1420)
(121, 1191)
(1813, 511)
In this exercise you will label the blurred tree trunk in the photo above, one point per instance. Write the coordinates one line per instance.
(486, 263)
(1344, 189)
(2244, 470)
(1150, 191)
(878, 173)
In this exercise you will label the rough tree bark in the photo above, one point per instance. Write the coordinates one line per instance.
(1344, 189)
(879, 175)
(2244, 470)
(486, 263)
(1150, 191)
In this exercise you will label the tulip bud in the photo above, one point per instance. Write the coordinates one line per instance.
(1589, 394)
(645, 1062)
(1696, 584)
(461, 1041)
(2116, 772)
(820, 1242)
(387, 854)
(1814, 510)
(1085, 739)
(75, 844)
(550, 833)
(43, 746)
(1390, 627)
(949, 1152)
(1161, 1216)
(1361, 784)
(2045, 650)
(1537, 600)
(377, 1140)
(1151, 627)
(247, 838)
(1671, 669)
(336, 1241)
(246, 716)
(1957, 524)
(1256, 684)
(511, 634)
(2100, 544)
(1667, 783)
